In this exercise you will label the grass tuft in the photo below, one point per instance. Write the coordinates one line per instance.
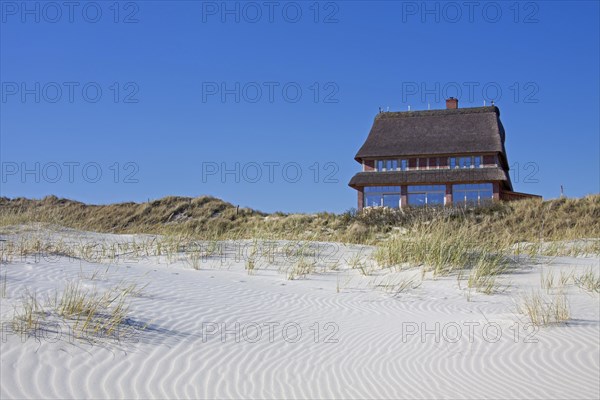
(588, 281)
(90, 314)
(543, 310)
(302, 268)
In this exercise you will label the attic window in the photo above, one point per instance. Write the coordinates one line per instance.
(465, 162)
(452, 162)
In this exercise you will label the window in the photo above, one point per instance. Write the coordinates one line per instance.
(417, 199)
(372, 201)
(372, 189)
(464, 162)
(387, 196)
(426, 195)
(404, 165)
(391, 200)
(386, 165)
(436, 198)
(489, 161)
(474, 193)
(452, 162)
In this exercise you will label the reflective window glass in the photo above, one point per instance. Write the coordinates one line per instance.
(464, 162)
(391, 200)
(417, 199)
(372, 201)
(435, 198)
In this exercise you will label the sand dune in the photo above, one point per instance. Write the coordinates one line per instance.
(330, 335)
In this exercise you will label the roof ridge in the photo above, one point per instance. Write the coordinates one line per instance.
(434, 113)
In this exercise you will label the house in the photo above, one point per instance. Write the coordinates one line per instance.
(434, 157)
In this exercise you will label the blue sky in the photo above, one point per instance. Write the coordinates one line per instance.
(265, 104)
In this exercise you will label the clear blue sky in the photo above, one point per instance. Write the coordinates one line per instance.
(189, 88)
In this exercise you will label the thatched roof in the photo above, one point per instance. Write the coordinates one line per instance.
(447, 131)
(430, 177)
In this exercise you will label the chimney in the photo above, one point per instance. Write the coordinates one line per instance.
(451, 103)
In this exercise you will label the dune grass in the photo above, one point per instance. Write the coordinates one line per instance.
(299, 270)
(544, 310)
(476, 244)
(442, 247)
(90, 314)
(361, 264)
(588, 281)
(208, 218)
(93, 313)
(27, 318)
(480, 245)
(3, 285)
(395, 285)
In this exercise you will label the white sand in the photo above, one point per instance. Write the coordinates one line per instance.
(363, 350)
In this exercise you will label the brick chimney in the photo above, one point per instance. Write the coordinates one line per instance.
(451, 103)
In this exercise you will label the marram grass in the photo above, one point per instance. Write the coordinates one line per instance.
(208, 218)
